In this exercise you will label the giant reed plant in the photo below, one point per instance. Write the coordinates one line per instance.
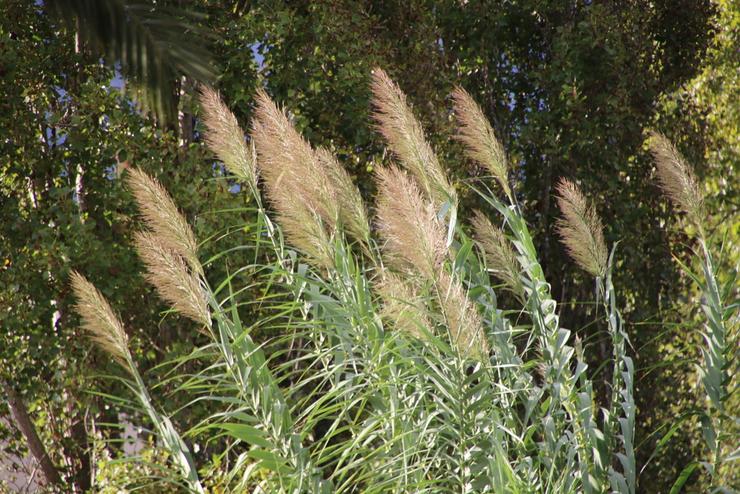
(394, 368)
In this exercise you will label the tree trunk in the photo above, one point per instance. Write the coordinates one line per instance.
(25, 425)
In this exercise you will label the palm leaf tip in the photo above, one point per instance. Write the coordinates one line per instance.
(405, 138)
(581, 230)
(225, 137)
(175, 283)
(479, 138)
(99, 320)
(162, 216)
(676, 177)
(498, 253)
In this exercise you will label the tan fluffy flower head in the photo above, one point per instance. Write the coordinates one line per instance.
(414, 239)
(405, 137)
(299, 186)
(498, 252)
(462, 318)
(99, 321)
(676, 177)
(172, 278)
(352, 212)
(225, 137)
(403, 307)
(581, 230)
(479, 139)
(162, 217)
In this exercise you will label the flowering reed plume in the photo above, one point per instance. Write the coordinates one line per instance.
(580, 229)
(172, 278)
(99, 321)
(405, 137)
(163, 218)
(352, 212)
(499, 255)
(225, 137)
(479, 138)
(403, 307)
(310, 190)
(676, 177)
(414, 242)
(414, 237)
(462, 318)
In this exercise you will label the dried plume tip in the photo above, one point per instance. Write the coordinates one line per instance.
(580, 229)
(405, 137)
(479, 139)
(99, 321)
(498, 252)
(163, 218)
(676, 177)
(174, 281)
(225, 137)
(414, 238)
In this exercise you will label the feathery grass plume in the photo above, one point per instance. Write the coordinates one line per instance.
(169, 274)
(403, 306)
(405, 137)
(98, 319)
(580, 229)
(676, 177)
(352, 210)
(462, 318)
(414, 237)
(479, 138)
(288, 163)
(498, 252)
(163, 218)
(298, 185)
(225, 137)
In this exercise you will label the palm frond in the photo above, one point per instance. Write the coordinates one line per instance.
(153, 44)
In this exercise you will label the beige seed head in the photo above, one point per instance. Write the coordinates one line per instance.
(352, 212)
(498, 252)
(174, 281)
(403, 306)
(463, 320)
(405, 137)
(99, 321)
(162, 217)
(676, 178)
(480, 141)
(414, 238)
(298, 184)
(225, 137)
(287, 161)
(580, 229)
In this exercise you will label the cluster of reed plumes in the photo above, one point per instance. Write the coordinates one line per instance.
(402, 373)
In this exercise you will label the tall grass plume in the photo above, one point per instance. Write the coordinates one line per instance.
(225, 137)
(676, 177)
(174, 281)
(581, 230)
(99, 321)
(481, 143)
(163, 218)
(405, 137)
